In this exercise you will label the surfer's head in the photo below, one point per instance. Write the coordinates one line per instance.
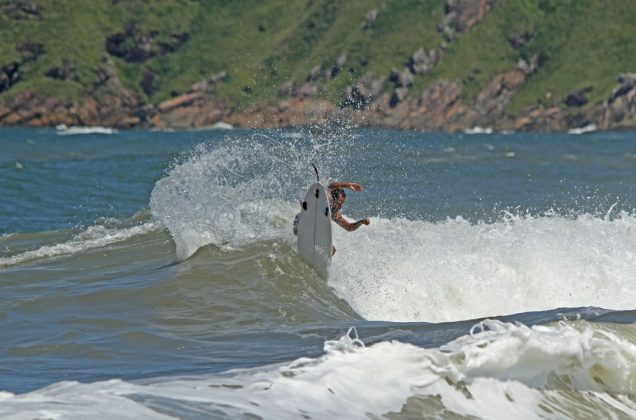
(338, 195)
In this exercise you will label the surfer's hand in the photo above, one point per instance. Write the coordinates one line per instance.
(355, 186)
(365, 221)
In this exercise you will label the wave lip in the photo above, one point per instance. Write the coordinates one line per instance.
(93, 237)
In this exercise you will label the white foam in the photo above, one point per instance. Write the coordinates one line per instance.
(505, 371)
(63, 130)
(93, 237)
(582, 130)
(401, 270)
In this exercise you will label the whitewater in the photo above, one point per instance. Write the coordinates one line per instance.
(154, 275)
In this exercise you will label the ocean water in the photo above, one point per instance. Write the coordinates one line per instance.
(153, 275)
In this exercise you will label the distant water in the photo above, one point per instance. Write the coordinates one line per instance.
(153, 275)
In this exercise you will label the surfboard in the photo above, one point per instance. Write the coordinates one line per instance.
(314, 230)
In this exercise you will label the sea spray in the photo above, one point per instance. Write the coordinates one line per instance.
(237, 191)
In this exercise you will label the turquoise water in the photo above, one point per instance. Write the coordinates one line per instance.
(154, 273)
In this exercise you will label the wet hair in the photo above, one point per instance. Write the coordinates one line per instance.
(335, 193)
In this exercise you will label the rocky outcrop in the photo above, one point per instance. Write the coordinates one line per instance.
(492, 101)
(195, 108)
(619, 111)
(435, 106)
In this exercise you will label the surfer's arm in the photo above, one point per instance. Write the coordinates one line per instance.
(349, 227)
(351, 185)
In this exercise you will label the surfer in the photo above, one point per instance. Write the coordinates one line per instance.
(337, 198)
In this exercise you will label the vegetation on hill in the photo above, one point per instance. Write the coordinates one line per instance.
(160, 48)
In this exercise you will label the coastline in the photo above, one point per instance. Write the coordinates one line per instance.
(439, 108)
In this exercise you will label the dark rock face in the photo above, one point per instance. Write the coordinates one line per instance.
(577, 98)
(148, 81)
(518, 40)
(10, 74)
(136, 47)
(68, 70)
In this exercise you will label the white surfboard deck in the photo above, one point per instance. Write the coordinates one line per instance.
(314, 230)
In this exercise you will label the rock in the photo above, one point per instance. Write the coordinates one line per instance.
(399, 94)
(314, 73)
(493, 99)
(308, 89)
(541, 119)
(342, 60)
(10, 74)
(148, 81)
(208, 85)
(520, 39)
(626, 82)
(461, 15)
(287, 89)
(179, 101)
(627, 79)
(362, 93)
(218, 77)
(619, 111)
(402, 78)
(340, 63)
(68, 70)
(438, 97)
(422, 61)
(577, 98)
(372, 16)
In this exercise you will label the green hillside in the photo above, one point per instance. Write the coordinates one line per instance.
(164, 46)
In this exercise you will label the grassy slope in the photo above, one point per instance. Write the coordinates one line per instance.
(263, 44)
